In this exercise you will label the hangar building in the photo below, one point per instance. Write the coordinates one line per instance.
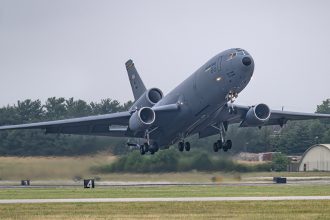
(316, 158)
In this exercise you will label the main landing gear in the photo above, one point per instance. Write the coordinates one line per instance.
(144, 148)
(149, 146)
(222, 143)
(183, 146)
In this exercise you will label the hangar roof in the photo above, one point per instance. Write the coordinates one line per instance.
(315, 145)
(326, 146)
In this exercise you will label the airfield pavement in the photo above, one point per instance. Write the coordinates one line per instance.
(177, 199)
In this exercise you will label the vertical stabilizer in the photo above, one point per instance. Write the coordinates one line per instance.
(137, 85)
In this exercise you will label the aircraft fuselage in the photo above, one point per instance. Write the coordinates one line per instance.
(204, 93)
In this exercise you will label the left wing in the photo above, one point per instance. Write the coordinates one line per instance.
(276, 117)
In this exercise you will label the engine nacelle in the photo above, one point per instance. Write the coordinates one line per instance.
(148, 99)
(257, 115)
(142, 119)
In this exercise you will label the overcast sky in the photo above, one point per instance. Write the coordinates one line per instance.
(77, 48)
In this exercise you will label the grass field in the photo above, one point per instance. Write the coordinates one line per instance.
(168, 191)
(69, 168)
(171, 210)
(45, 168)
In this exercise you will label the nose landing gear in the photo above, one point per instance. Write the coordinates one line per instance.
(231, 96)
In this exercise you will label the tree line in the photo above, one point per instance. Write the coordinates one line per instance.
(294, 138)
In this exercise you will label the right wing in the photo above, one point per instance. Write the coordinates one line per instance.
(114, 124)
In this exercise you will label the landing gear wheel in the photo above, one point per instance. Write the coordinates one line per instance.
(225, 149)
(187, 146)
(142, 151)
(220, 144)
(181, 146)
(155, 147)
(229, 144)
(146, 147)
(215, 147)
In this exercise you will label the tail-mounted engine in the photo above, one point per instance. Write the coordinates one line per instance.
(142, 119)
(148, 99)
(256, 116)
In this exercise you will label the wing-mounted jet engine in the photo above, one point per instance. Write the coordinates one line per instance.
(148, 99)
(142, 119)
(256, 116)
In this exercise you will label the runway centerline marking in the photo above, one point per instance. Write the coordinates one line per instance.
(174, 199)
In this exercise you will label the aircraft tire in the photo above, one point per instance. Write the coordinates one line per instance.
(229, 144)
(155, 147)
(181, 146)
(215, 147)
(142, 151)
(220, 144)
(187, 146)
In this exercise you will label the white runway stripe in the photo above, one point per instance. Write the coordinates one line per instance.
(178, 199)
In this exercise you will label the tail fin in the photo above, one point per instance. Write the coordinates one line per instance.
(137, 85)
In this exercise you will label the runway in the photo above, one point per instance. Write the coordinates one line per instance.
(176, 199)
(103, 184)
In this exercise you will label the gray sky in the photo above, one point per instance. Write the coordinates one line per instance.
(77, 48)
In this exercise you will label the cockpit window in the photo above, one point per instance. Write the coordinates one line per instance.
(231, 56)
(241, 52)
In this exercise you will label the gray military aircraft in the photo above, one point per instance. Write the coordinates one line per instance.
(202, 104)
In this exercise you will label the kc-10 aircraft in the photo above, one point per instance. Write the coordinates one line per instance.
(202, 104)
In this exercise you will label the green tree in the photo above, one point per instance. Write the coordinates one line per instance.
(55, 108)
(78, 108)
(324, 107)
(280, 162)
(29, 111)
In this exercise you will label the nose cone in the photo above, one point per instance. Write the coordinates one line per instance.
(247, 61)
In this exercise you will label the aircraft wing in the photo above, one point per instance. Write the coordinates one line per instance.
(233, 114)
(278, 117)
(114, 124)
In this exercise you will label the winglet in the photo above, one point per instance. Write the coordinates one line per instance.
(135, 80)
